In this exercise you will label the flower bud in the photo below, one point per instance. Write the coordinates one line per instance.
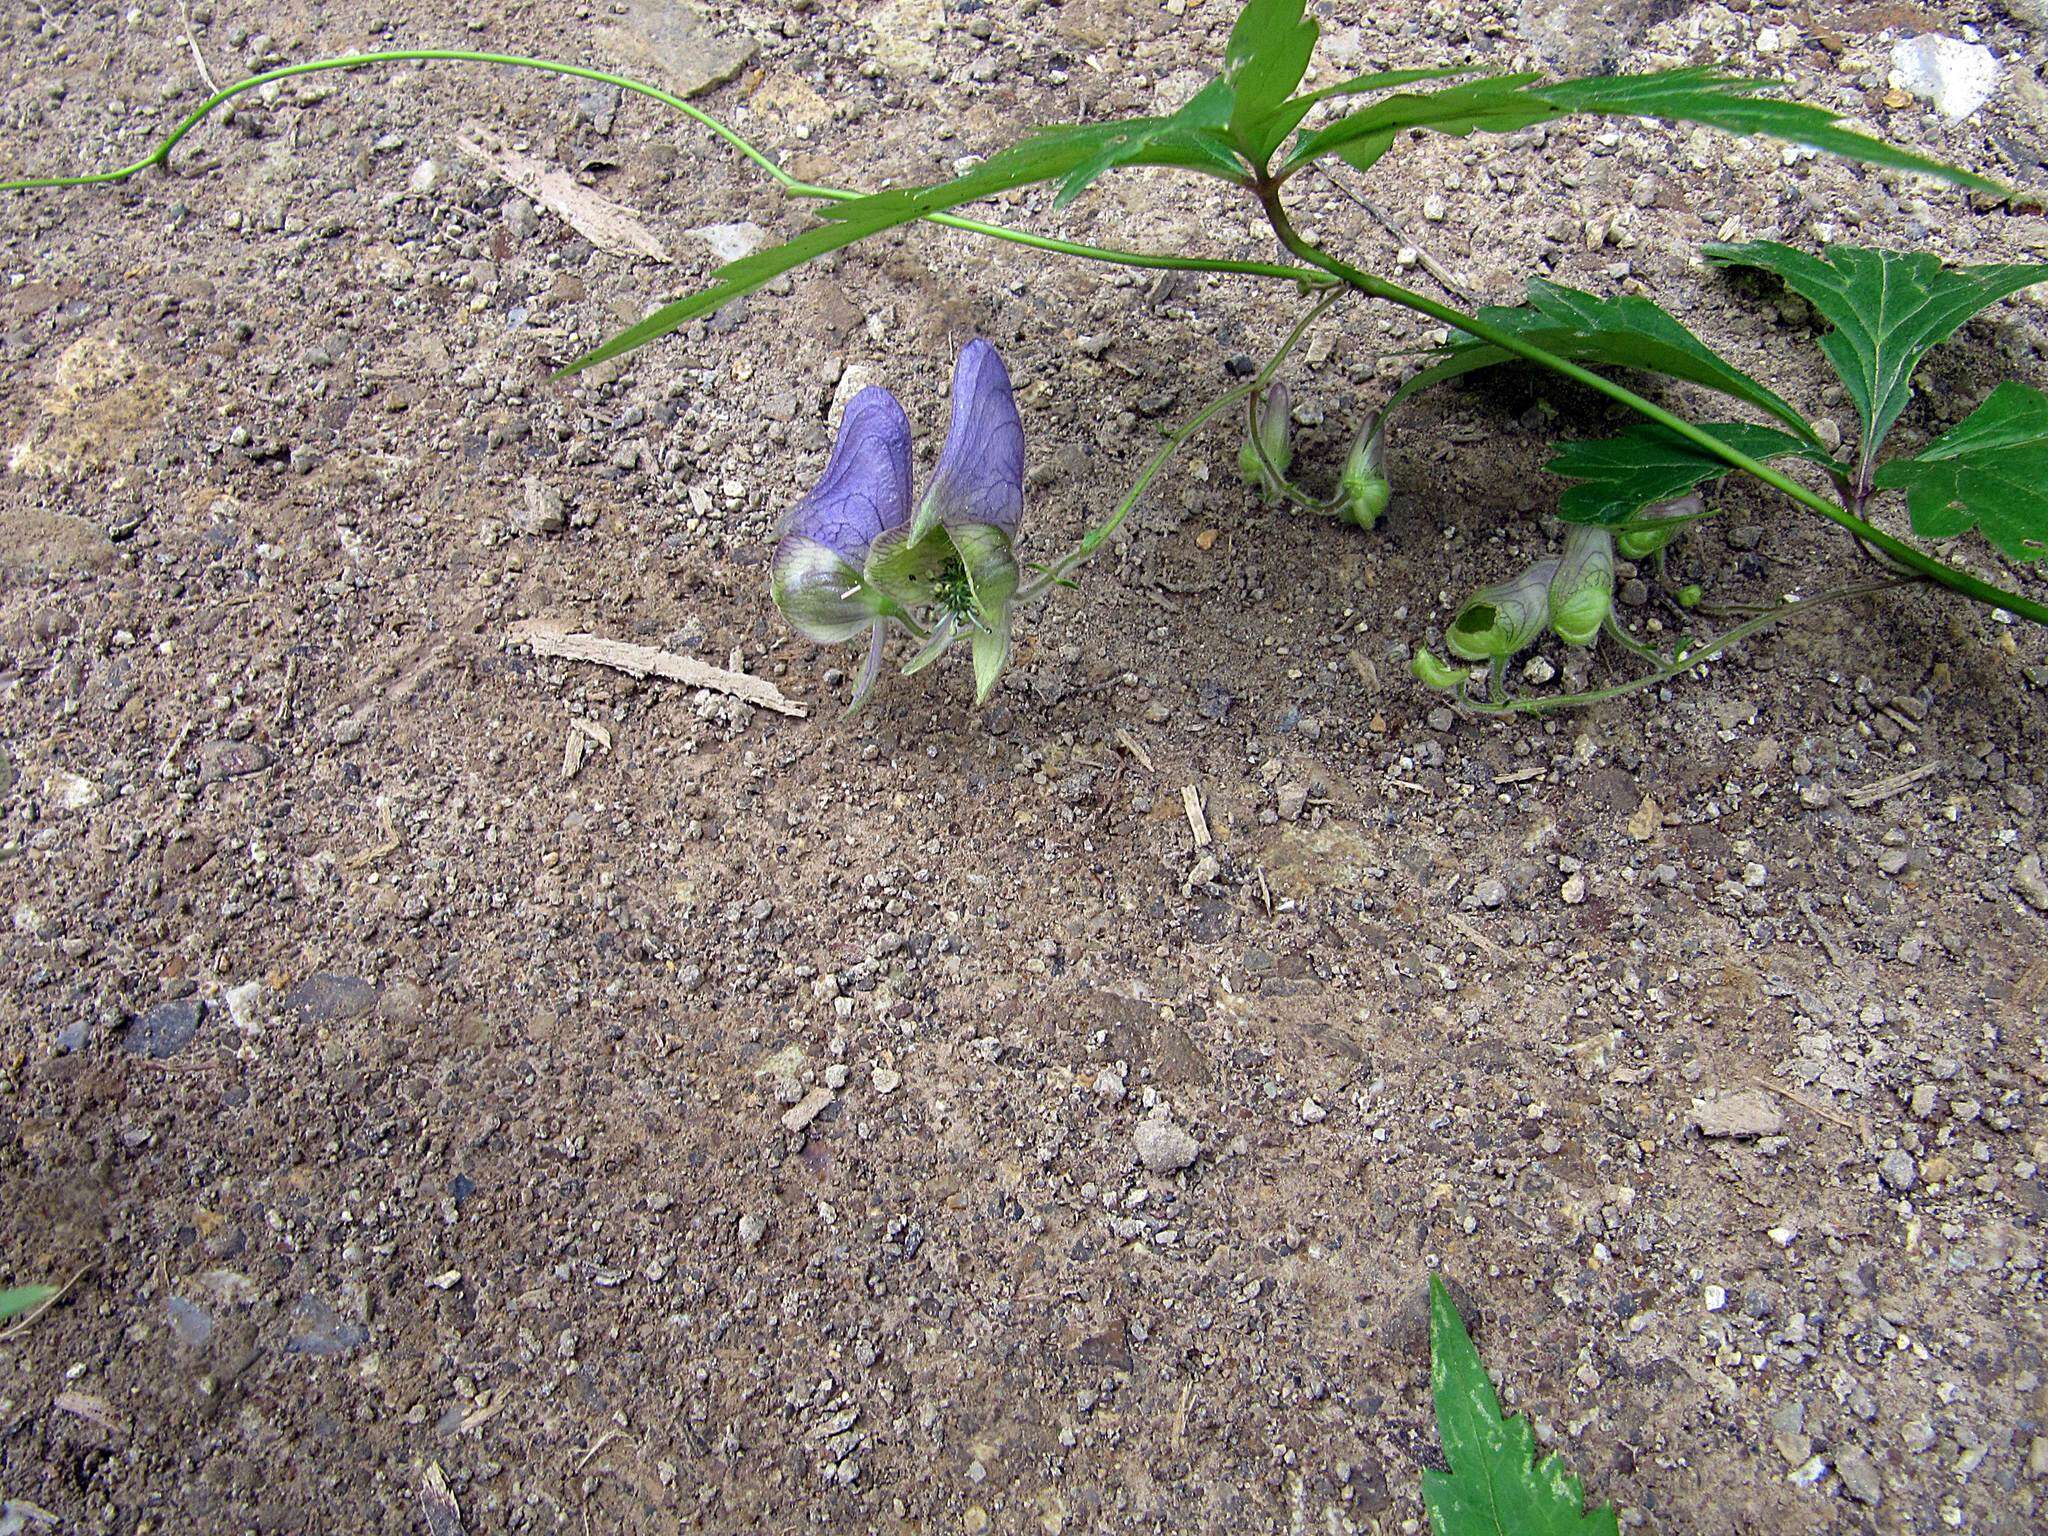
(1639, 543)
(1432, 673)
(1273, 422)
(1582, 592)
(1363, 489)
(1496, 622)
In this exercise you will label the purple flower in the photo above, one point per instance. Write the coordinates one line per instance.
(852, 558)
(825, 538)
(980, 478)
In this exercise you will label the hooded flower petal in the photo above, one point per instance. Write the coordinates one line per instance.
(1582, 592)
(1268, 441)
(1642, 537)
(980, 478)
(1364, 490)
(825, 537)
(1499, 621)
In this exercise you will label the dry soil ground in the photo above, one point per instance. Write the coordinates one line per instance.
(414, 1112)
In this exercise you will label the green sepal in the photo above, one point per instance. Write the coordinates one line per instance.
(1432, 673)
(936, 644)
(984, 554)
(991, 655)
(906, 569)
(1363, 490)
(1655, 526)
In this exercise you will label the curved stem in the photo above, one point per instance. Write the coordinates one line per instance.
(1692, 661)
(1288, 490)
(792, 186)
(1629, 642)
(1094, 539)
(1507, 341)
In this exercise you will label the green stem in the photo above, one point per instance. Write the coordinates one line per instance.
(1693, 660)
(1627, 641)
(791, 185)
(1507, 341)
(1098, 535)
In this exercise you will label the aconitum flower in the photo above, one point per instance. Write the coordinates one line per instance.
(1496, 622)
(1582, 592)
(1270, 430)
(852, 556)
(1641, 541)
(1363, 490)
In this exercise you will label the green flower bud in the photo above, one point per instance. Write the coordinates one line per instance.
(1582, 592)
(1498, 621)
(1432, 673)
(1689, 596)
(1363, 489)
(1272, 420)
(1639, 543)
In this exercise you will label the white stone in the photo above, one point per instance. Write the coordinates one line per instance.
(730, 242)
(1955, 76)
(1163, 1146)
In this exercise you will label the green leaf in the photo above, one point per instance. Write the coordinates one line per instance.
(1623, 332)
(1492, 1488)
(1191, 139)
(1889, 309)
(1619, 476)
(1502, 104)
(1989, 472)
(1264, 61)
(24, 1298)
(1043, 157)
(1730, 103)
(1495, 103)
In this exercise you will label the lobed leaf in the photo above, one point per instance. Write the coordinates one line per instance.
(1192, 139)
(1494, 1487)
(1504, 103)
(1888, 310)
(1730, 103)
(1622, 332)
(1263, 62)
(1990, 472)
(1495, 103)
(1647, 464)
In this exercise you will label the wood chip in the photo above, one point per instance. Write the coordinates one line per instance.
(1884, 789)
(1743, 1114)
(547, 637)
(1647, 820)
(1861, 1129)
(604, 223)
(391, 844)
(1191, 802)
(488, 1406)
(585, 737)
(1472, 933)
(1136, 748)
(96, 1410)
(800, 1114)
(1828, 943)
(437, 1505)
